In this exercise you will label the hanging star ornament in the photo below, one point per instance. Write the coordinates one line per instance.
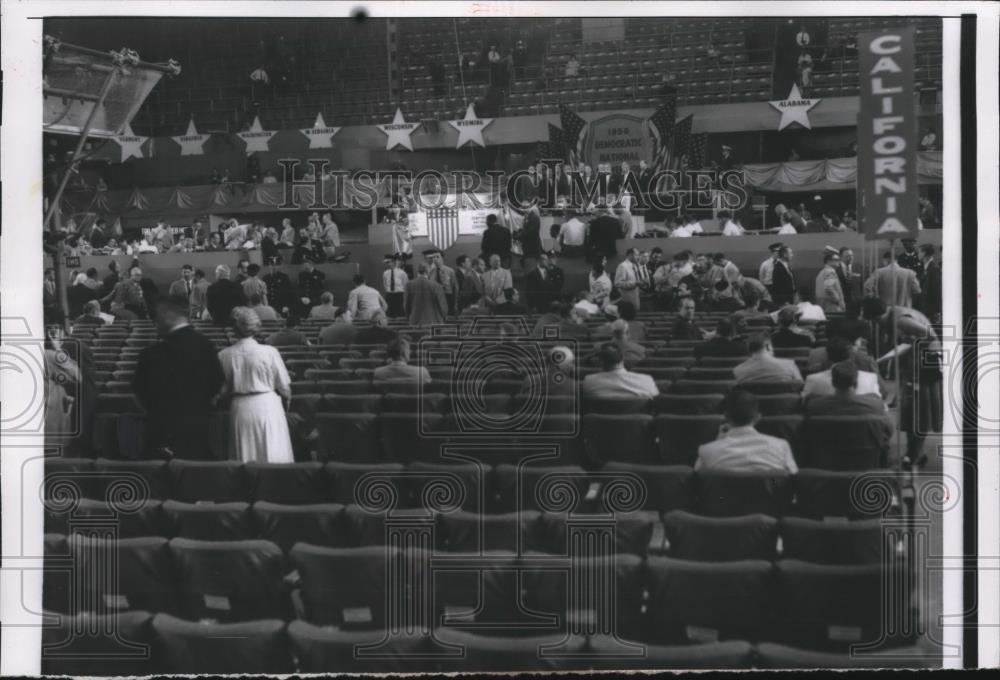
(130, 143)
(256, 137)
(191, 143)
(319, 135)
(397, 133)
(794, 109)
(470, 128)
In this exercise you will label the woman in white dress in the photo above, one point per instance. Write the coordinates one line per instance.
(259, 385)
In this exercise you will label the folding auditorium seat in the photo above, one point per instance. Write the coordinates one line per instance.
(109, 645)
(636, 533)
(408, 437)
(668, 487)
(789, 403)
(723, 493)
(846, 442)
(476, 533)
(667, 374)
(345, 387)
(447, 484)
(285, 525)
(732, 654)
(423, 402)
(143, 581)
(628, 438)
(69, 478)
(220, 648)
(230, 580)
(351, 403)
(709, 373)
(771, 655)
(511, 654)
(220, 481)
(343, 587)
(787, 427)
(289, 483)
(620, 406)
(857, 542)
(684, 386)
(693, 404)
(831, 607)
(761, 387)
(680, 436)
(702, 602)
(130, 520)
(821, 494)
(208, 521)
(348, 437)
(322, 649)
(539, 487)
(714, 539)
(344, 477)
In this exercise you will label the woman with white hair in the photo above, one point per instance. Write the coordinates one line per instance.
(259, 387)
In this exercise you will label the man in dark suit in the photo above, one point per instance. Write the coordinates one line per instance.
(531, 236)
(223, 296)
(604, 230)
(783, 288)
(425, 301)
(844, 401)
(378, 333)
(909, 258)
(471, 292)
(510, 306)
(279, 289)
(176, 381)
(538, 292)
(930, 284)
(496, 240)
(111, 280)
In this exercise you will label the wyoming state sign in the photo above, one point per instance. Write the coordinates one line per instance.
(618, 138)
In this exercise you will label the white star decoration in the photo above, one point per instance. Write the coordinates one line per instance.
(470, 128)
(130, 143)
(191, 143)
(256, 137)
(397, 133)
(794, 109)
(319, 135)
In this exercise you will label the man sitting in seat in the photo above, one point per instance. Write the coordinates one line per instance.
(378, 333)
(789, 334)
(341, 332)
(325, 309)
(724, 344)
(288, 336)
(740, 447)
(398, 370)
(763, 366)
(621, 337)
(684, 327)
(845, 401)
(614, 381)
(820, 384)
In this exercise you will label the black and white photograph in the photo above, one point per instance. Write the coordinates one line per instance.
(499, 337)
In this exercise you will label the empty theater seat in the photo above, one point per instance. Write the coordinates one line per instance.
(287, 483)
(728, 494)
(857, 542)
(215, 481)
(144, 580)
(208, 521)
(181, 646)
(344, 587)
(285, 525)
(108, 645)
(322, 649)
(720, 539)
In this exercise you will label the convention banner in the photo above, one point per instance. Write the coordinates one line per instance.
(887, 135)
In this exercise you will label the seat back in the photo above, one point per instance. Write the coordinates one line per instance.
(858, 542)
(220, 648)
(731, 494)
(714, 539)
(216, 481)
(208, 522)
(680, 436)
(846, 442)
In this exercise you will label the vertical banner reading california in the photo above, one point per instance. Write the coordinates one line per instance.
(887, 139)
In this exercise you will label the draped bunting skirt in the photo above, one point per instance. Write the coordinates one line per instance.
(258, 429)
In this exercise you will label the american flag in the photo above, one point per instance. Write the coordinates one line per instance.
(554, 147)
(682, 140)
(572, 126)
(696, 155)
(663, 123)
(442, 227)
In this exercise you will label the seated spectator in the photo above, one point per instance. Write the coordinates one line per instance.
(763, 366)
(854, 332)
(740, 447)
(325, 308)
(91, 315)
(820, 384)
(685, 327)
(751, 308)
(723, 344)
(586, 304)
(627, 313)
(632, 352)
(553, 317)
(378, 333)
(572, 66)
(288, 336)
(510, 306)
(614, 381)
(341, 332)
(845, 400)
(398, 370)
(789, 333)
(264, 312)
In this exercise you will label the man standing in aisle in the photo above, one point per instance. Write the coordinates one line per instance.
(627, 277)
(394, 282)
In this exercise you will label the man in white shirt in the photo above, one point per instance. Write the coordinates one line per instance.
(693, 226)
(495, 281)
(828, 293)
(730, 228)
(821, 384)
(680, 231)
(614, 381)
(766, 272)
(786, 226)
(364, 301)
(572, 235)
(740, 447)
(763, 366)
(394, 280)
(627, 277)
(330, 234)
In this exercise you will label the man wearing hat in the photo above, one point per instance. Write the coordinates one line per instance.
(828, 292)
(766, 271)
(394, 281)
